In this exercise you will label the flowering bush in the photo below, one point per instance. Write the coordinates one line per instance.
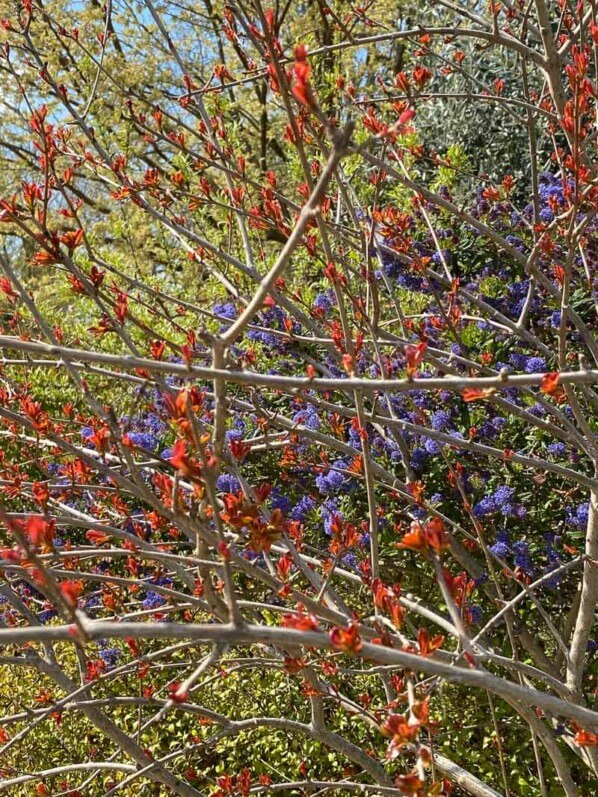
(286, 505)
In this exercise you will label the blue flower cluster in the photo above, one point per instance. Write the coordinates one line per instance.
(273, 318)
(328, 510)
(225, 310)
(531, 365)
(227, 483)
(501, 501)
(394, 269)
(324, 302)
(302, 508)
(108, 655)
(145, 430)
(332, 482)
(46, 615)
(577, 516)
(308, 416)
(522, 557)
(153, 600)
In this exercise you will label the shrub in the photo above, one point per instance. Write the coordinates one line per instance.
(299, 458)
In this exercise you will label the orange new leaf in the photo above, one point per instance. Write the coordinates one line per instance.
(550, 386)
(476, 393)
